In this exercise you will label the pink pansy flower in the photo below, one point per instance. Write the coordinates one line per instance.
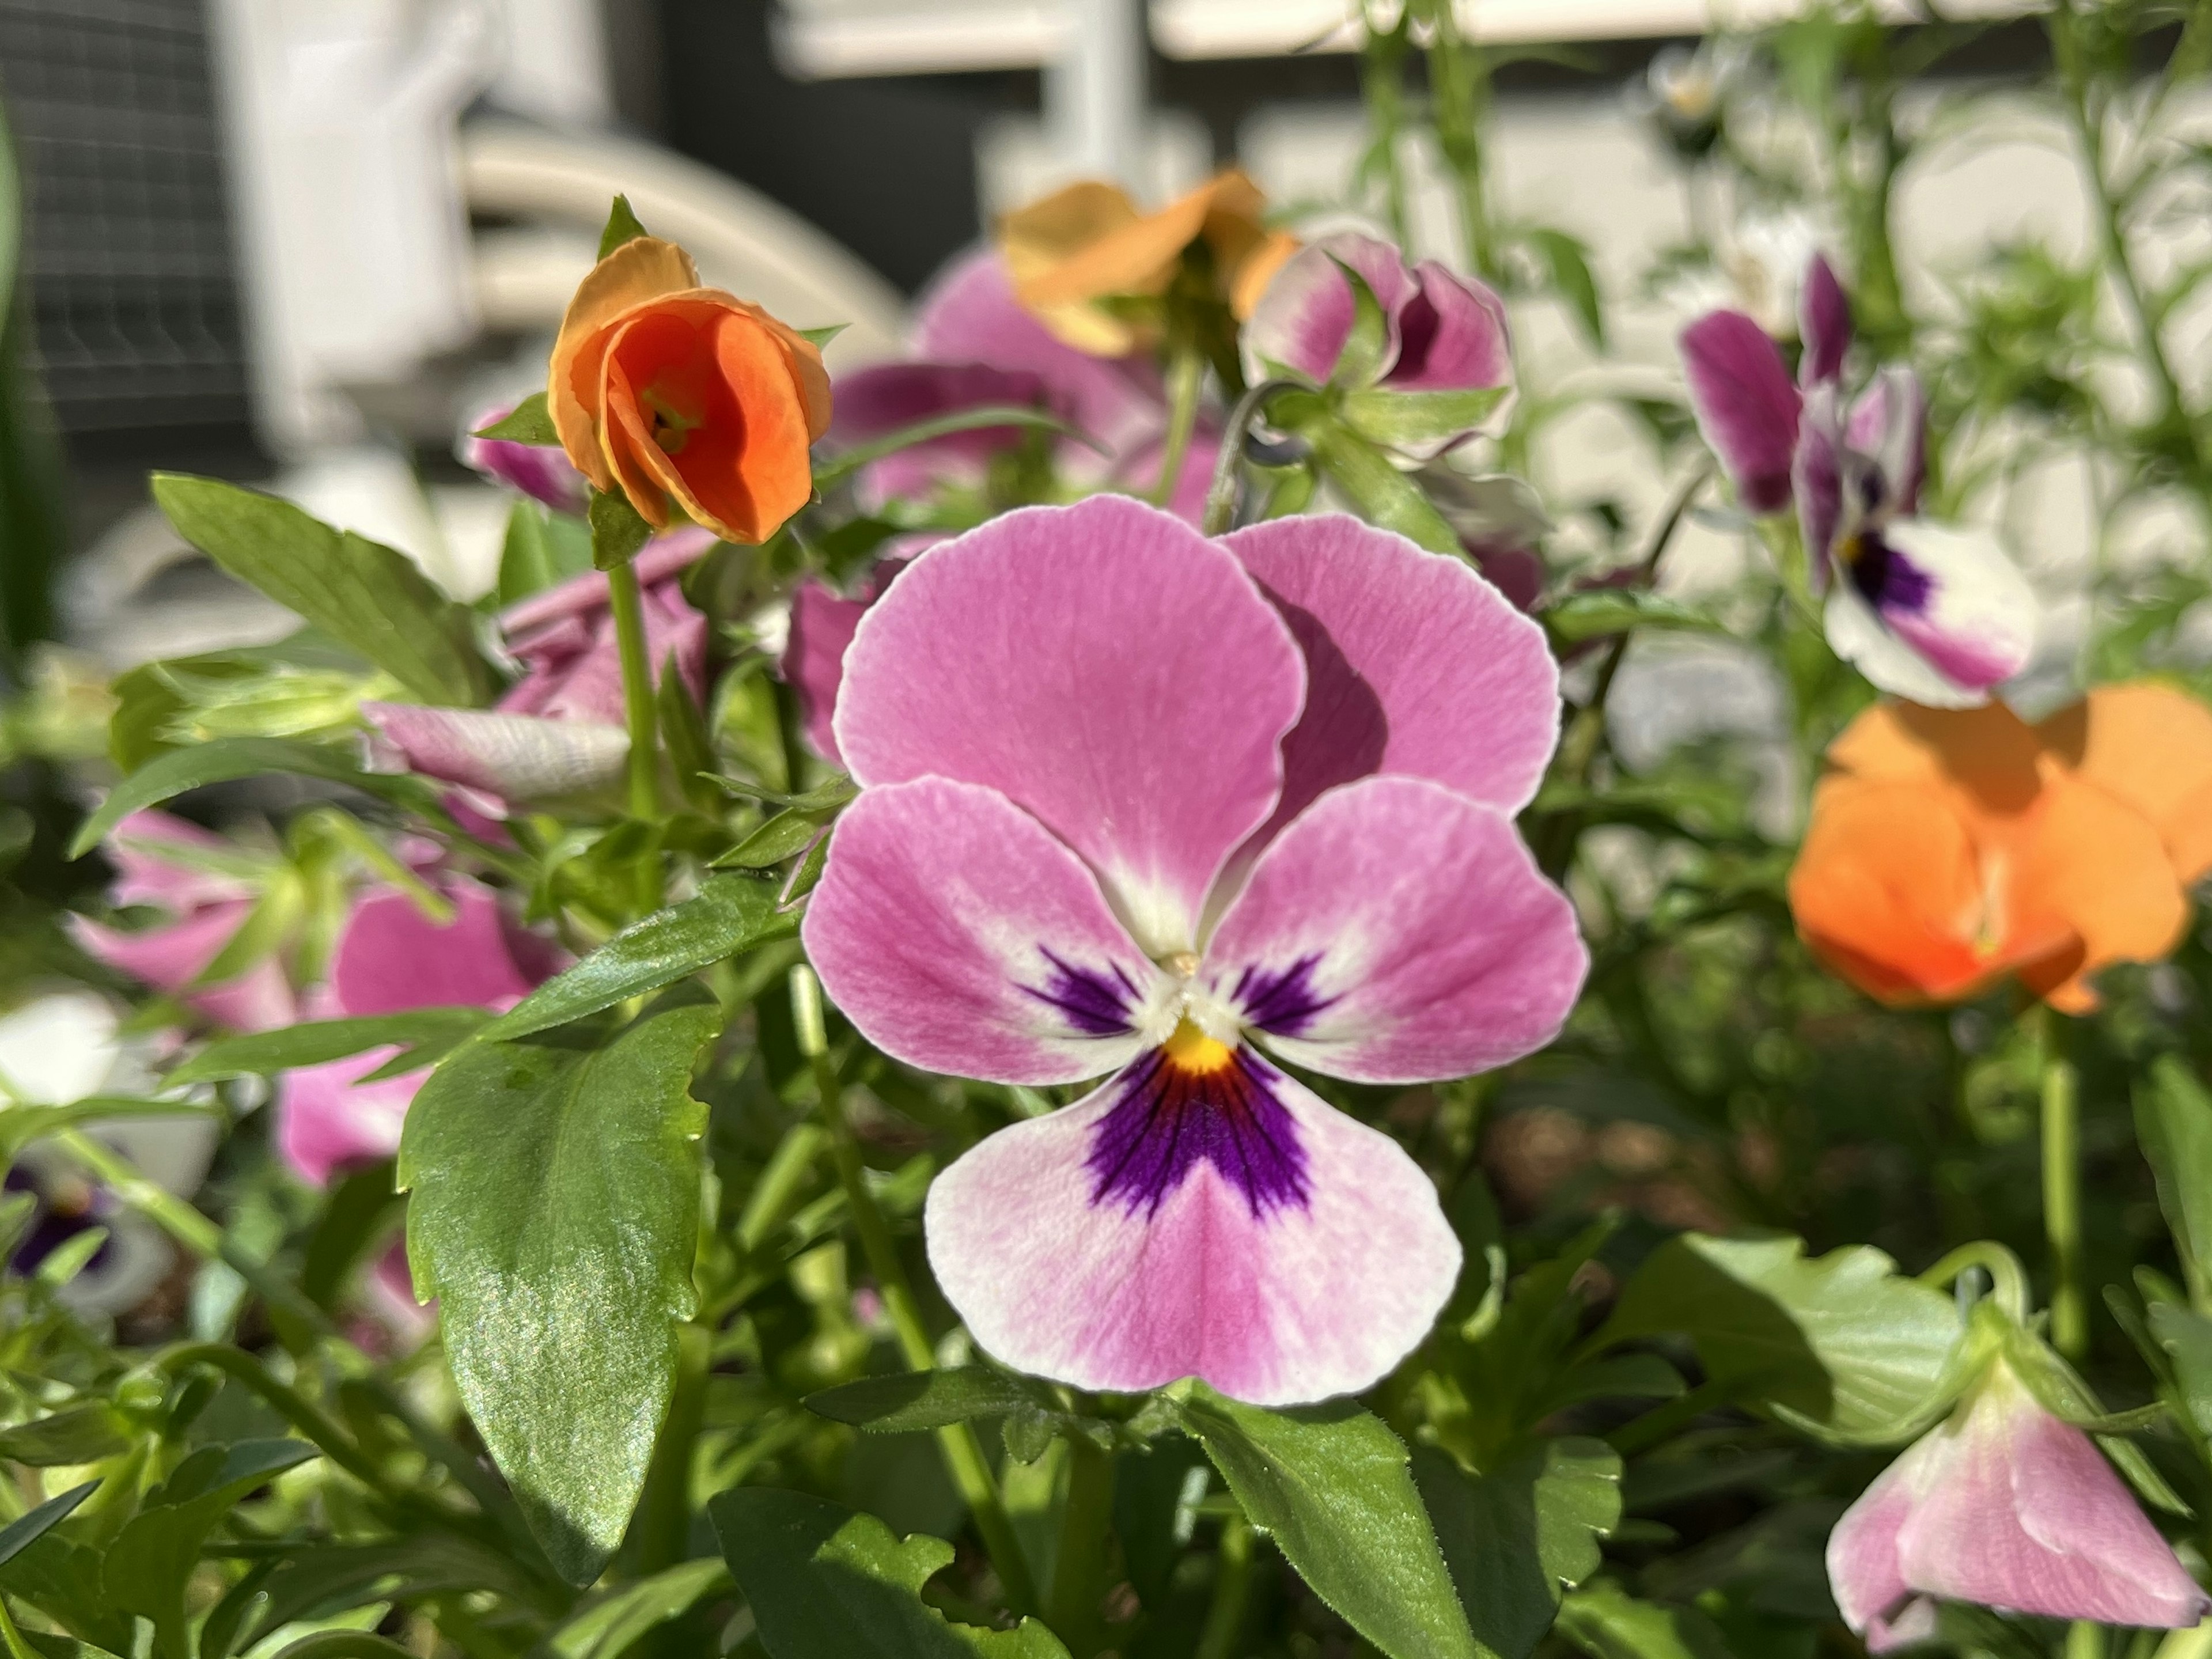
(539, 470)
(1443, 365)
(1174, 809)
(1926, 611)
(390, 959)
(974, 347)
(2006, 1505)
(822, 623)
(558, 730)
(204, 907)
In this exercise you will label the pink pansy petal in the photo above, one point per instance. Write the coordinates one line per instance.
(960, 937)
(875, 402)
(1141, 471)
(1414, 665)
(515, 756)
(1397, 932)
(1824, 323)
(392, 958)
(1746, 404)
(662, 557)
(1817, 480)
(1888, 426)
(1104, 667)
(539, 470)
(969, 315)
(328, 1120)
(1452, 336)
(1864, 1572)
(813, 665)
(169, 958)
(1250, 1235)
(143, 876)
(566, 684)
(1305, 317)
(1912, 1624)
(2021, 1511)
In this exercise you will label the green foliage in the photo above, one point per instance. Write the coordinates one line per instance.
(529, 422)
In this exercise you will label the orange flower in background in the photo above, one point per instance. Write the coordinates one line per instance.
(685, 397)
(1088, 243)
(1949, 848)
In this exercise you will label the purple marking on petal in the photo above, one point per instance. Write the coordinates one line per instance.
(1284, 1002)
(1889, 580)
(1824, 323)
(1169, 1119)
(1095, 1004)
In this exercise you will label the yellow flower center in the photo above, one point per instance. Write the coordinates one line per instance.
(1189, 1049)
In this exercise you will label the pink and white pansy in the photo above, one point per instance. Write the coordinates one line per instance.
(1169, 810)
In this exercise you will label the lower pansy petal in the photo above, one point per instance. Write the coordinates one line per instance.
(1398, 932)
(171, 959)
(1933, 613)
(328, 1120)
(960, 936)
(1222, 1223)
(1864, 1574)
(392, 958)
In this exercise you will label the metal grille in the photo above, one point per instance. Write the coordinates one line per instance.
(129, 257)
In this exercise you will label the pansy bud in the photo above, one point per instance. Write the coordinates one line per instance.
(539, 470)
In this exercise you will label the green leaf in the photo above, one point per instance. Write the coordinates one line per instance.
(622, 226)
(1412, 420)
(683, 730)
(21, 1125)
(1330, 1484)
(1606, 1622)
(33, 1524)
(1522, 1532)
(327, 1579)
(2186, 1340)
(554, 1214)
(929, 1400)
(1382, 494)
(828, 1582)
(608, 1629)
(840, 467)
(727, 914)
(780, 838)
(157, 1552)
(1842, 1344)
(227, 759)
(530, 422)
(84, 1434)
(618, 529)
(361, 593)
(1582, 617)
(1360, 358)
(543, 549)
(820, 337)
(1568, 262)
(824, 798)
(2174, 1122)
(263, 1054)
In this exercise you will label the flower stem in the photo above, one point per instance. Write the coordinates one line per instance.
(2007, 1281)
(964, 1453)
(1186, 379)
(1079, 1578)
(1229, 466)
(1232, 1590)
(2062, 1204)
(638, 714)
(1457, 94)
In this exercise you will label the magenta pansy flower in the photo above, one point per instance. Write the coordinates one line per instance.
(392, 959)
(540, 471)
(174, 867)
(2006, 1505)
(558, 729)
(975, 346)
(1441, 369)
(823, 624)
(1174, 812)
(1929, 612)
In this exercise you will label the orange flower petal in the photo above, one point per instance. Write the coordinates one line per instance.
(1256, 270)
(1888, 889)
(1987, 753)
(641, 269)
(2097, 868)
(2150, 746)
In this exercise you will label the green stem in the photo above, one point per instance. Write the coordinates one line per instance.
(1079, 1576)
(1456, 92)
(643, 767)
(964, 1453)
(1664, 1422)
(1229, 466)
(2062, 1205)
(2007, 1279)
(662, 1530)
(17, 1647)
(1186, 379)
(1382, 88)
(2084, 1640)
(1233, 1591)
(198, 1234)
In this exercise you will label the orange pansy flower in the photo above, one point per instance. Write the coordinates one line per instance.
(1088, 243)
(1949, 847)
(685, 397)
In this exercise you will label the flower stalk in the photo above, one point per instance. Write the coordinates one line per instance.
(2062, 1204)
(964, 1453)
(1185, 379)
(642, 768)
(1079, 1576)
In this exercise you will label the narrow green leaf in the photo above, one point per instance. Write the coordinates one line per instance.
(1330, 1484)
(1844, 1343)
(824, 798)
(727, 914)
(227, 759)
(1606, 1622)
(1382, 494)
(529, 422)
(82, 1434)
(929, 1400)
(618, 529)
(2173, 1123)
(1411, 420)
(840, 467)
(21, 1125)
(828, 1582)
(683, 730)
(1582, 617)
(609, 1629)
(782, 836)
(820, 337)
(360, 592)
(1568, 261)
(1360, 358)
(33, 1524)
(555, 1213)
(1522, 1532)
(622, 226)
(263, 1054)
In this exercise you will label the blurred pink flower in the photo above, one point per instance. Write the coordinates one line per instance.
(539, 470)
